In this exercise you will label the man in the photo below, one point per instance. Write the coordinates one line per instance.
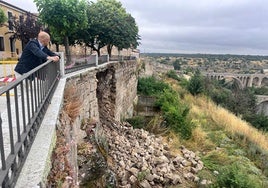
(34, 54)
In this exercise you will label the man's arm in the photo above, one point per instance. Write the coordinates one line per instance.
(51, 55)
(35, 49)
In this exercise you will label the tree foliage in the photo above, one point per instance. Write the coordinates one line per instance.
(177, 64)
(236, 175)
(64, 19)
(196, 84)
(3, 17)
(260, 90)
(150, 86)
(94, 24)
(174, 112)
(241, 102)
(260, 121)
(109, 25)
(24, 29)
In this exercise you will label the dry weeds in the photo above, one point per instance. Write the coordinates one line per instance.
(72, 102)
(231, 123)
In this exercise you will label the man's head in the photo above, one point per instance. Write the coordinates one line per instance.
(43, 38)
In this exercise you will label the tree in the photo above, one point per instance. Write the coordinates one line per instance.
(64, 19)
(24, 29)
(196, 84)
(3, 17)
(177, 64)
(110, 25)
(125, 35)
(242, 102)
(95, 29)
(259, 121)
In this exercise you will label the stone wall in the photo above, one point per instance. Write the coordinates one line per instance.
(117, 89)
(109, 89)
(126, 89)
(262, 108)
(152, 68)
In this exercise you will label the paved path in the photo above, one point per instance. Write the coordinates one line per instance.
(5, 122)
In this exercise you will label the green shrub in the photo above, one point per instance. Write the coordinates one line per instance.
(260, 90)
(172, 74)
(137, 121)
(175, 113)
(150, 86)
(260, 121)
(215, 159)
(235, 176)
(196, 84)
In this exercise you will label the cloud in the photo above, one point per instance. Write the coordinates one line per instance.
(27, 5)
(213, 26)
(196, 26)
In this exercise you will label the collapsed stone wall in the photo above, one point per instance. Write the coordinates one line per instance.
(95, 149)
(118, 85)
(83, 92)
(116, 155)
(125, 157)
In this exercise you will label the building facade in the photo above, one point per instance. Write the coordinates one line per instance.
(10, 48)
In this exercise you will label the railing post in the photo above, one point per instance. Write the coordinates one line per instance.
(62, 69)
(3, 161)
(97, 60)
(26, 114)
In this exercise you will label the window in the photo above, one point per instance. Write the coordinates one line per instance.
(2, 46)
(10, 19)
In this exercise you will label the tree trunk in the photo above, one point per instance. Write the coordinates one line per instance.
(109, 49)
(57, 47)
(85, 51)
(67, 50)
(98, 51)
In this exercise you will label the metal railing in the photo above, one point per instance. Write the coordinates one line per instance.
(79, 63)
(23, 107)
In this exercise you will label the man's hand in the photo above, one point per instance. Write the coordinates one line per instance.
(53, 58)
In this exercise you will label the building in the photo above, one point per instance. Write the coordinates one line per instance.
(10, 48)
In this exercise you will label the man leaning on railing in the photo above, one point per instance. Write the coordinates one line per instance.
(34, 54)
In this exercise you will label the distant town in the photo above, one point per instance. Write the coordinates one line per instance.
(240, 64)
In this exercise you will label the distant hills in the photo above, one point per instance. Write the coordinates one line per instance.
(197, 55)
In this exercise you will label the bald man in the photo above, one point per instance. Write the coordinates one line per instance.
(34, 54)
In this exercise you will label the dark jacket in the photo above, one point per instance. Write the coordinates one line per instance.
(32, 56)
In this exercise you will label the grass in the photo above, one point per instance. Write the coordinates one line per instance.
(224, 142)
(223, 139)
(228, 121)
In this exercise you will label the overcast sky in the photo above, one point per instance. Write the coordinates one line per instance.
(196, 26)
